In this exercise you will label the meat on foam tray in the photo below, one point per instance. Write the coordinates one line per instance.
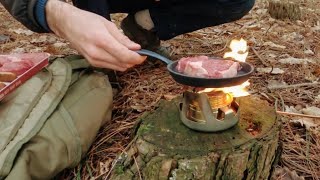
(205, 67)
(15, 69)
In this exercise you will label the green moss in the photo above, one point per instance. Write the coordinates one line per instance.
(119, 169)
(231, 154)
(152, 168)
(144, 128)
(163, 128)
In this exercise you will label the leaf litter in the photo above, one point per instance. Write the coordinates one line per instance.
(291, 48)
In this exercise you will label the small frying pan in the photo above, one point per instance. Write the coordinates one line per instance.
(242, 76)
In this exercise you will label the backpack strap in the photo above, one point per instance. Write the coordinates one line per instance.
(61, 79)
(15, 108)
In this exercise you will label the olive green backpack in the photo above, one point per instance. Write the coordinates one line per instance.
(49, 122)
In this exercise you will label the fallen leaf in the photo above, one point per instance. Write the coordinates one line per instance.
(217, 30)
(307, 122)
(270, 70)
(138, 108)
(311, 111)
(285, 174)
(4, 38)
(298, 107)
(310, 77)
(308, 52)
(22, 31)
(292, 60)
(18, 50)
(59, 44)
(40, 39)
(271, 44)
(272, 55)
(316, 28)
(104, 166)
(262, 11)
(291, 109)
(294, 36)
(275, 84)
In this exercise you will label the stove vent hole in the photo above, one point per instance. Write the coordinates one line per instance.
(221, 115)
(180, 106)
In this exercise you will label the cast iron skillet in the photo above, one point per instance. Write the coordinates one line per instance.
(242, 76)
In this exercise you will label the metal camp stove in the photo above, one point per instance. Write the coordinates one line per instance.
(209, 111)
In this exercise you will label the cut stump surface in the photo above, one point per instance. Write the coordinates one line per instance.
(284, 9)
(166, 149)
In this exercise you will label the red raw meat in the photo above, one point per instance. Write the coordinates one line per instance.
(4, 59)
(14, 64)
(204, 67)
(17, 67)
(27, 61)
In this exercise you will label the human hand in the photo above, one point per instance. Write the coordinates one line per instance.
(96, 38)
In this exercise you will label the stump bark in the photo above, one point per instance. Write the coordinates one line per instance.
(166, 149)
(284, 9)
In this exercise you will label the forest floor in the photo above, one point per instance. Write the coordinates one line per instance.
(286, 55)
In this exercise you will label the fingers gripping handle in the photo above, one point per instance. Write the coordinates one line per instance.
(154, 55)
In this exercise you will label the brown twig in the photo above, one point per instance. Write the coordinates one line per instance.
(220, 50)
(263, 61)
(135, 162)
(123, 151)
(295, 85)
(297, 114)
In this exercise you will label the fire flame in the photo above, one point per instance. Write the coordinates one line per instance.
(235, 91)
(238, 50)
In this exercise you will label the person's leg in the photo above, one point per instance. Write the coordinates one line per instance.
(175, 17)
(129, 6)
(150, 21)
(186, 16)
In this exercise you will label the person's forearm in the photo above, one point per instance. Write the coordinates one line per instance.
(56, 15)
(93, 36)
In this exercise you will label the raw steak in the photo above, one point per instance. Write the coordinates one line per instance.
(204, 67)
(4, 59)
(16, 67)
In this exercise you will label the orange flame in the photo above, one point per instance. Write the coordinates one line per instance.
(235, 91)
(238, 50)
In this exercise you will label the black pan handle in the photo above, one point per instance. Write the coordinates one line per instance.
(155, 55)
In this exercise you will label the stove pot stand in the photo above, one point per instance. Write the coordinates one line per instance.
(208, 112)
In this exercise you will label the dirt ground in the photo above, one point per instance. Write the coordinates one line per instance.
(285, 53)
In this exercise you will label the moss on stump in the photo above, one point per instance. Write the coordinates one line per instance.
(166, 149)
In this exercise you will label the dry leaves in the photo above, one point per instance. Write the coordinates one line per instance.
(22, 31)
(291, 47)
(292, 60)
(271, 44)
(285, 174)
(105, 166)
(308, 123)
(4, 38)
(274, 84)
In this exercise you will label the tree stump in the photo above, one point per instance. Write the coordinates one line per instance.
(165, 148)
(284, 9)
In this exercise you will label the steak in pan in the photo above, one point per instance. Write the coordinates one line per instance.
(205, 67)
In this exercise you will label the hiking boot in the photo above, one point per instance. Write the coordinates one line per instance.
(146, 38)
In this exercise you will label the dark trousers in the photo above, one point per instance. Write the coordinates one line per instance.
(175, 17)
